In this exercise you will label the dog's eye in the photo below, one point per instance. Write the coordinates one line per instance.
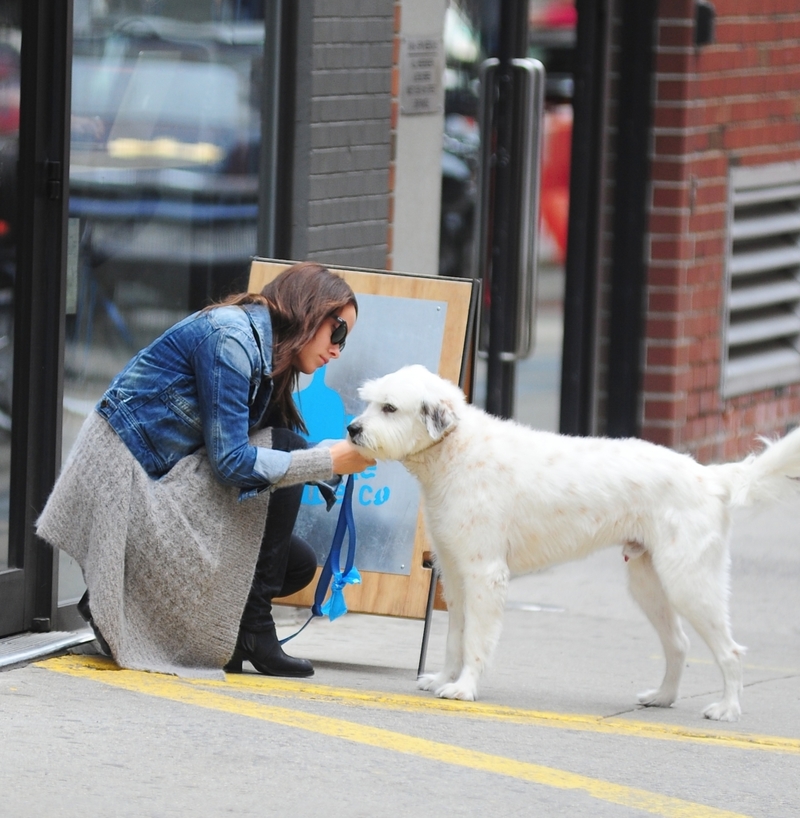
(387, 408)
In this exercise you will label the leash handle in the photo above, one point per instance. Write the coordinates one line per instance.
(331, 570)
(332, 573)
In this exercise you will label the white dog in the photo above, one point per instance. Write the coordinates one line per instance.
(501, 499)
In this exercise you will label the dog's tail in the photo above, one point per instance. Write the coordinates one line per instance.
(772, 475)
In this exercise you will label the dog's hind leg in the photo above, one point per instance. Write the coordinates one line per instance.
(701, 596)
(484, 602)
(647, 590)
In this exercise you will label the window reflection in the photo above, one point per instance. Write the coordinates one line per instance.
(165, 141)
(163, 173)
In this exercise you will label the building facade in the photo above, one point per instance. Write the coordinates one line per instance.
(148, 151)
(722, 349)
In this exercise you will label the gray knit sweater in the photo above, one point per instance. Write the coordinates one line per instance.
(168, 563)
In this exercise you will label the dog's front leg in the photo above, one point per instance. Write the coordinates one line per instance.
(453, 660)
(484, 601)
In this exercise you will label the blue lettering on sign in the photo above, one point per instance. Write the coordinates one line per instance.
(367, 496)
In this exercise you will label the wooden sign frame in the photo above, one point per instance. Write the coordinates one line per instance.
(383, 593)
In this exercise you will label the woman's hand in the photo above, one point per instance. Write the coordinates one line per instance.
(347, 459)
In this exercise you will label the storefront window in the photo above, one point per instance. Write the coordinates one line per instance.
(165, 140)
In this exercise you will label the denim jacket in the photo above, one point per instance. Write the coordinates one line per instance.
(204, 382)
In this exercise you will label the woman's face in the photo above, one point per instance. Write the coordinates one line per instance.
(320, 349)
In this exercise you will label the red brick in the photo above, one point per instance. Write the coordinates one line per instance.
(708, 221)
(702, 325)
(671, 196)
(666, 354)
(672, 115)
(675, 90)
(668, 169)
(675, 223)
(666, 275)
(664, 410)
(664, 328)
(709, 193)
(675, 62)
(675, 35)
(704, 272)
(709, 167)
(672, 9)
(671, 248)
(706, 298)
(666, 382)
(673, 300)
(662, 435)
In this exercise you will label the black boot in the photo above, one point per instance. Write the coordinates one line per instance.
(85, 612)
(265, 654)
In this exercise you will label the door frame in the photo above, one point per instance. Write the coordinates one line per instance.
(28, 589)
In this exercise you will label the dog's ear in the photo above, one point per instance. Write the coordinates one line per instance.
(439, 418)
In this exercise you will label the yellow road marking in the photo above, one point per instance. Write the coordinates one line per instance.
(174, 689)
(268, 686)
(283, 688)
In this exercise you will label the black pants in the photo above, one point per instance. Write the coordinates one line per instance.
(286, 563)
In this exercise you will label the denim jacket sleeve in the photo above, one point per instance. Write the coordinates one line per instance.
(223, 376)
(223, 372)
(206, 382)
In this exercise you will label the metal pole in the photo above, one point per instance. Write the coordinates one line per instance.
(629, 268)
(583, 239)
(501, 371)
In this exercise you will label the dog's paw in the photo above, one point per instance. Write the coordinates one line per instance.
(656, 698)
(458, 690)
(720, 711)
(432, 681)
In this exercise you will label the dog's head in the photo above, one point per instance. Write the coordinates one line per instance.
(407, 412)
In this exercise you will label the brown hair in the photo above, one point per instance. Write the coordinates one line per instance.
(299, 300)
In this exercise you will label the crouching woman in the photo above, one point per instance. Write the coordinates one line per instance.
(179, 497)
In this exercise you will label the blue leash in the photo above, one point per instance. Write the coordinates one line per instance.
(332, 573)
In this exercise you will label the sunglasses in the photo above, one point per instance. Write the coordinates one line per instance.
(339, 335)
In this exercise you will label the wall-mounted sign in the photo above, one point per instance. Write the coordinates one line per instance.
(421, 73)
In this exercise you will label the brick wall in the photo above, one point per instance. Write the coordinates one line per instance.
(350, 132)
(395, 113)
(734, 102)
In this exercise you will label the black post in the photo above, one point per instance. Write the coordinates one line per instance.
(583, 240)
(629, 268)
(504, 242)
(39, 293)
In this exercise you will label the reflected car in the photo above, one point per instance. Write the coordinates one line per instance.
(165, 142)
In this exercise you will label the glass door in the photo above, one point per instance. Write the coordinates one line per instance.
(166, 165)
(33, 104)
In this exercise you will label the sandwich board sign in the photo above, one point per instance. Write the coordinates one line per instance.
(402, 319)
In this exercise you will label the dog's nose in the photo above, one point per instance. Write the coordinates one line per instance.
(354, 429)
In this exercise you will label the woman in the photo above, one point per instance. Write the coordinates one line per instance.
(163, 499)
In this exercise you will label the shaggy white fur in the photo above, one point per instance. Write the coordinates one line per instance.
(501, 499)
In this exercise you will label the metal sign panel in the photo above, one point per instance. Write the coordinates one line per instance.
(385, 497)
